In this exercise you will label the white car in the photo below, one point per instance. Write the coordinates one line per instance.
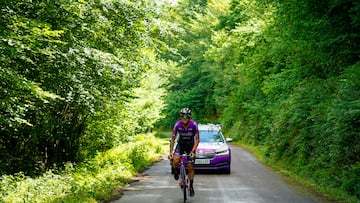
(213, 152)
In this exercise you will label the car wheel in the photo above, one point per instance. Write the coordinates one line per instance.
(228, 170)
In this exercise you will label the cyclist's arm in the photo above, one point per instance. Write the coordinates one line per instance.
(197, 140)
(172, 144)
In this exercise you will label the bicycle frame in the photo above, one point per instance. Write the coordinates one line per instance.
(183, 177)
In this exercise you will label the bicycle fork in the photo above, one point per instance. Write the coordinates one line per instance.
(183, 180)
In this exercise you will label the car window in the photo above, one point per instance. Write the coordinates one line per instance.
(210, 136)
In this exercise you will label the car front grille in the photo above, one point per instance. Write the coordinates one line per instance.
(208, 155)
(224, 163)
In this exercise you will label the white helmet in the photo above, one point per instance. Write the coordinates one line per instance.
(185, 112)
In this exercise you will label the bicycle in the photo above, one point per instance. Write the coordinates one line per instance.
(183, 177)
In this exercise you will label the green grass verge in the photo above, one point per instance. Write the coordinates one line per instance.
(321, 191)
(97, 180)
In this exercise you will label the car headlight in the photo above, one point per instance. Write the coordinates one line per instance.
(222, 152)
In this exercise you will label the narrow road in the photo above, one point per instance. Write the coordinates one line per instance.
(249, 182)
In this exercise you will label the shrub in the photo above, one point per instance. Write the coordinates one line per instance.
(90, 181)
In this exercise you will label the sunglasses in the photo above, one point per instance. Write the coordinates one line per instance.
(185, 116)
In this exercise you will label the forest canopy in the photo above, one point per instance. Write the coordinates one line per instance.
(76, 78)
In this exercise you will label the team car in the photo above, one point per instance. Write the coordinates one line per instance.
(213, 152)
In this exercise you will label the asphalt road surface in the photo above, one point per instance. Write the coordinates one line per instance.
(249, 182)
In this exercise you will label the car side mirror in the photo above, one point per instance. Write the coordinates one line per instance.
(228, 139)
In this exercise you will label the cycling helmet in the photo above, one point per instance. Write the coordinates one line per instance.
(185, 112)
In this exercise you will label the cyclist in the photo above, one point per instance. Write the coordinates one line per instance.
(188, 141)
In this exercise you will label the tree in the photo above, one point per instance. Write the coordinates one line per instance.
(63, 63)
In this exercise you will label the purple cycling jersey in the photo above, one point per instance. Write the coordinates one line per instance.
(186, 132)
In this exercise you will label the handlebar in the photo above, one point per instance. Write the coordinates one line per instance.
(180, 155)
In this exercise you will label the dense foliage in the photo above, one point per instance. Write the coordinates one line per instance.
(72, 79)
(96, 180)
(78, 78)
(280, 75)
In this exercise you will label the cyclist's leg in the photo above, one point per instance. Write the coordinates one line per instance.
(190, 164)
(176, 160)
(191, 171)
(191, 174)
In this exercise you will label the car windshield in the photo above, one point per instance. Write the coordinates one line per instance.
(210, 136)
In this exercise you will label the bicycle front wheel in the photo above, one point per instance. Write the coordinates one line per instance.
(184, 184)
(184, 190)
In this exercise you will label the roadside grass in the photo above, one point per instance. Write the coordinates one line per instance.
(163, 135)
(326, 192)
(97, 180)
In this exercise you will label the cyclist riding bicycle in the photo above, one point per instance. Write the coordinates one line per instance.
(188, 141)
